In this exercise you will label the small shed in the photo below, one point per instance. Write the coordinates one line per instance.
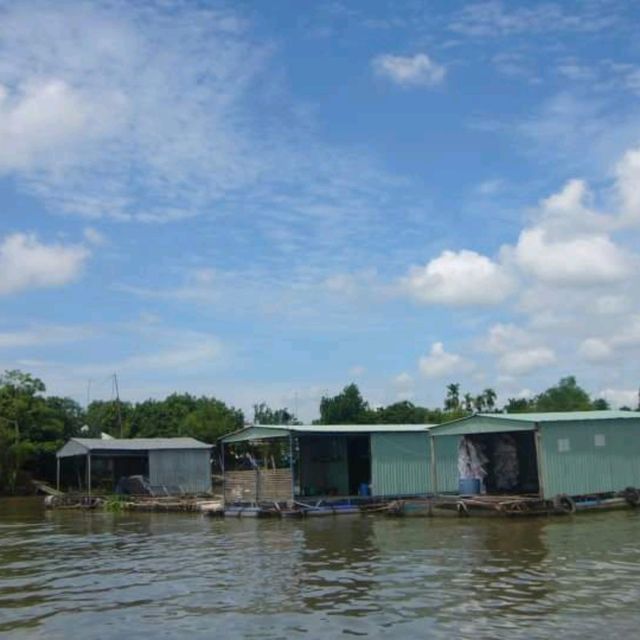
(575, 452)
(181, 465)
(281, 463)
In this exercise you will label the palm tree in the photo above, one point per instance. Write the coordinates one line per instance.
(452, 401)
(468, 402)
(479, 403)
(490, 397)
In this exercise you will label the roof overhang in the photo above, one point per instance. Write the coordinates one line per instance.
(481, 424)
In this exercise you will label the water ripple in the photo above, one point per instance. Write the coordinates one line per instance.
(123, 575)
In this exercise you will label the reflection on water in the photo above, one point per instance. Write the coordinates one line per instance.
(68, 574)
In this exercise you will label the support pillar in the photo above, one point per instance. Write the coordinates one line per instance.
(58, 474)
(89, 474)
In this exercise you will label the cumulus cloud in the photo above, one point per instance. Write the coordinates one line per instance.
(440, 363)
(580, 261)
(26, 263)
(409, 71)
(462, 278)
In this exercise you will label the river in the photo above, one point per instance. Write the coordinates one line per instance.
(70, 574)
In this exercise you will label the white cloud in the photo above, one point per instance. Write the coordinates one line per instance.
(621, 397)
(495, 19)
(523, 361)
(628, 186)
(43, 121)
(26, 263)
(595, 350)
(579, 261)
(439, 363)
(505, 337)
(463, 278)
(44, 335)
(409, 71)
(518, 351)
(404, 386)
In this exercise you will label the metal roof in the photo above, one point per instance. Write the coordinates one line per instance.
(497, 422)
(80, 446)
(263, 431)
(564, 416)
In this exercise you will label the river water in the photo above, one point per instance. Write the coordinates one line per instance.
(68, 574)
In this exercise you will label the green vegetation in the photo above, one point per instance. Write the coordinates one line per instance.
(33, 426)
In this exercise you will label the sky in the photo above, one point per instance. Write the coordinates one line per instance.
(264, 202)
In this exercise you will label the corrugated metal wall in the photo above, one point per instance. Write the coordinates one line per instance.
(446, 454)
(572, 462)
(400, 464)
(189, 469)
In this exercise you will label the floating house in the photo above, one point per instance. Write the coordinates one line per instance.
(305, 462)
(569, 453)
(171, 465)
(541, 455)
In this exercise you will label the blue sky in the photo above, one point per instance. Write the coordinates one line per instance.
(267, 201)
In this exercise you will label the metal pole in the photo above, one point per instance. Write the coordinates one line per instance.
(58, 474)
(434, 473)
(89, 473)
(293, 482)
(223, 473)
(115, 382)
(538, 446)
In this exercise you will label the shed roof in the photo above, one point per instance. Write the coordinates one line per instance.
(496, 422)
(261, 432)
(82, 446)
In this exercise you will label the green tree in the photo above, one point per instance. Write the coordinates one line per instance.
(32, 428)
(519, 405)
(263, 414)
(452, 400)
(403, 412)
(565, 396)
(347, 407)
(490, 397)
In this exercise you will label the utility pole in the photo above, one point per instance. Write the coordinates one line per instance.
(115, 383)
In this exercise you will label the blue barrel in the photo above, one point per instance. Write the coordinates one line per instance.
(469, 487)
(364, 490)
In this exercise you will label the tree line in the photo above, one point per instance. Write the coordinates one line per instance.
(34, 425)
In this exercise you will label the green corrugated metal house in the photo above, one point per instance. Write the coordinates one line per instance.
(393, 460)
(573, 453)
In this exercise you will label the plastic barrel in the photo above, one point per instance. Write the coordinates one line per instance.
(469, 486)
(363, 489)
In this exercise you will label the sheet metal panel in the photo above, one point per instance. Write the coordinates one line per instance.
(188, 469)
(481, 424)
(446, 457)
(400, 464)
(590, 457)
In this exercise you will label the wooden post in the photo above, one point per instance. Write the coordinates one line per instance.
(89, 474)
(434, 473)
(58, 473)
